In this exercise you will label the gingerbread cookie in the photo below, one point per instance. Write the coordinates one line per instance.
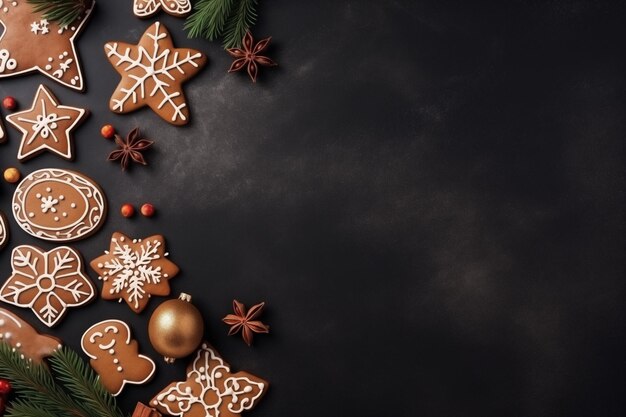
(146, 8)
(31, 43)
(210, 390)
(59, 205)
(24, 338)
(47, 125)
(4, 231)
(115, 355)
(134, 270)
(47, 282)
(153, 72)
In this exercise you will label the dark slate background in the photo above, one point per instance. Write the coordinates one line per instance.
(429, 195)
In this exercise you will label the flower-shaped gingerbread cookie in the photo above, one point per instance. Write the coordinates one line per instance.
(115, 355)
(134, 270)
(47, 282)
(210, 390)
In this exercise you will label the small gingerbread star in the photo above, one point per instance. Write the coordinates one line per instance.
(31, 43)
(47, 125)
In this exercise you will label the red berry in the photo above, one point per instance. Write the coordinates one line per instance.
(9, 103)
(5, 387)
(147, 210)
(127, 210)
(107, 131)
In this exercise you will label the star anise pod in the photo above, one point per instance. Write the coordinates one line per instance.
(130, 149)
(245, 321)
(249, 56)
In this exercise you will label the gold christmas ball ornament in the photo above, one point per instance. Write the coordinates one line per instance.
(176, 328)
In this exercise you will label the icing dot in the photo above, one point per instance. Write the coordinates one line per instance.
(61, 197)
(65, 53)
(201, 369)
(100, 265)
(56, 219)
(116, 360)
(48, 189)
(64, 214)
(112, 351)
(31, 214)
(1, 336)
(247, 389)
(7, 335)
(73, 205)
(188, 390)
(50, 59)
(218, 375)
(171, 398)
(38, 195)
(48, 67)
(119, 369)
(60, 56)
(18, 345)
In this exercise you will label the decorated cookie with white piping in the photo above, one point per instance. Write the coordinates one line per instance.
(23, 337)
(133, 270)
(31, 43)
(153, 72)
(115, 355)
(59, 205)
(47, 282)
(210, 390)
(46, 126)
(147, 8)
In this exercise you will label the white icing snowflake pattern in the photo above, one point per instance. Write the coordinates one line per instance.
(47, 282)
(133, 269)
(210, 390)
(40, 28)
(153, 68)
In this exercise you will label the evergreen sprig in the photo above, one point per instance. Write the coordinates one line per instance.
(76, 392)
(225, 19)
(62, 12)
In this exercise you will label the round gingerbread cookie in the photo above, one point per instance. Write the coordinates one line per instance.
(59, 205)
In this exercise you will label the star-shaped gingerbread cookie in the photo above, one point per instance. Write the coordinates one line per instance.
(47, 125)
(134, 269)
(210, 390)
(153, 72)
(31, 43)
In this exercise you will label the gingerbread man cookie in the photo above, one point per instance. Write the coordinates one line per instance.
(153, 72)
(135, 269)
(31, 43)
(59, 205)
(47, 282)
(115, 355)
(47, 125)
(147, 8)
(25, 339)
(210, 389)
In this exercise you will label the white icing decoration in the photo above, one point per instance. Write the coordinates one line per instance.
(145, 8)
(4, 231)
(6, 62)
(158, 69)
(62, 275)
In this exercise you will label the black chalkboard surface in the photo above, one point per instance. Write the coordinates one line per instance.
(428, 195)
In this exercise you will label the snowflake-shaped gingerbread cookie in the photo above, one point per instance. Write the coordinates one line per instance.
(153, 72)
(47, 282)
(210, 389)
(133, 270)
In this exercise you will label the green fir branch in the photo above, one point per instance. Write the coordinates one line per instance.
(84, 384)
(37, 389)
(225, 19)
(240, 21)
(62, 12)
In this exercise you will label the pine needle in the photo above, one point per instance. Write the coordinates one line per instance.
(225, 19)
(239, 22)
(62, 12)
